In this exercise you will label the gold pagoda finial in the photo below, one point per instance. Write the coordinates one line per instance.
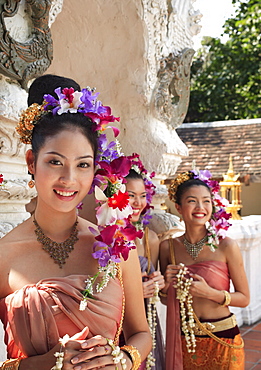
(230, 189)
(230, 175)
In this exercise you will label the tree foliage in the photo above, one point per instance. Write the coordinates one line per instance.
(225, 77)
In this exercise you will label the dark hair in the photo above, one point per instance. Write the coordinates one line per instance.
(134, 175)
(46, 84)
(184, 186)
(50, 125)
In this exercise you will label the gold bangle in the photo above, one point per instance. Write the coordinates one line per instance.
(162, 294)
(134, 355)
(227, 299)
(12, 364)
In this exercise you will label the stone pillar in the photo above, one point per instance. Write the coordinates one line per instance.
(15, 193)
(247, 233)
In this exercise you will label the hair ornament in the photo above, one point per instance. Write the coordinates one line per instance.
(218, 224)
(28, 119)
(182, 177)
(69, 101)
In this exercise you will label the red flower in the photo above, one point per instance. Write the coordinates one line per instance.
(117, 169)
(120, 200)
(1, 178)
(68, 94)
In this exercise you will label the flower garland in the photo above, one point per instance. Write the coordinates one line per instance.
(218, 223)
(185, 300)
(138, 167)
(115, 235)
(152, 321)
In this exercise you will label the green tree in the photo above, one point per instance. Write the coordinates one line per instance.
(225, 77)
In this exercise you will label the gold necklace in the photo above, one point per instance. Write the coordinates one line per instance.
(58, 251)
(194, 249)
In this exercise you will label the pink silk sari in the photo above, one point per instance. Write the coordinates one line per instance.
(217, 276)
(36, 316)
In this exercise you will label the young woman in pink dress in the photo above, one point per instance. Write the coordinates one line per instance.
(198, 267)
(67, 287)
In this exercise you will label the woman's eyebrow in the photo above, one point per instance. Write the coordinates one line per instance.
(64, 157)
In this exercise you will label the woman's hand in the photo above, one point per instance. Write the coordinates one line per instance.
(93, 353)
(157, 277)
(171, 274)
(199, 287)
(148, 283)
(148, 286)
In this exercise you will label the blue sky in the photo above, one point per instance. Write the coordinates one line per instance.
(214, 12)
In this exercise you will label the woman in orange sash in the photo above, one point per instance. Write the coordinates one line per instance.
(198, 266)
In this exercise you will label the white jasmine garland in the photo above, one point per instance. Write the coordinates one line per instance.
(117, 355)
(107, 272)
(152, 321)
(186, 309)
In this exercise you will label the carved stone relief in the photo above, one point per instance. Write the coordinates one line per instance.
(170, 27)
(9, 142)
(16, 189)
(171, 95)
(23, 61)
(56, 8)
(5, 227)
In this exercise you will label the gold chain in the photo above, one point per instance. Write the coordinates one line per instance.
(119, 276)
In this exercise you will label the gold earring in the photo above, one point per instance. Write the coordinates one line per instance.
(180, 219)
(31, 184)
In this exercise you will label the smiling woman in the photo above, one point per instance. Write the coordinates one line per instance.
(55, 271)
(141, 189)
(198, 267)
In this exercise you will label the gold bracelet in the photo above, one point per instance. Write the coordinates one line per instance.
(12, 364)
(134, 355)
(227, 299)
(162, 294)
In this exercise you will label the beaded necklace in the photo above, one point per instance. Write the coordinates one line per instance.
(194, 249)
(58, 251)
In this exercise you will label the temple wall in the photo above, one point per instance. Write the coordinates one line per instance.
(117, 47)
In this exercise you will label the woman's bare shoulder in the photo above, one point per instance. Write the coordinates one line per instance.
(86, 228)
(229, 247)
(153, 237)
(166, 243)
(20, 233)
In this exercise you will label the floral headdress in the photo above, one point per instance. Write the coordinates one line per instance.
(115, 235)
(138, 167)
(218, 223)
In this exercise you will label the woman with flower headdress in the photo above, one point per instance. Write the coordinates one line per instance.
(141, 189)
(42, 85)
(198, 267)
(67, 287)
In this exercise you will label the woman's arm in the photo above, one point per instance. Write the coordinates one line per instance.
(155, 276)
(241, 297)
(153, 241)
(164, 262)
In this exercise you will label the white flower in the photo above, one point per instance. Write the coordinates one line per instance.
(70, 107)
(83, 304)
